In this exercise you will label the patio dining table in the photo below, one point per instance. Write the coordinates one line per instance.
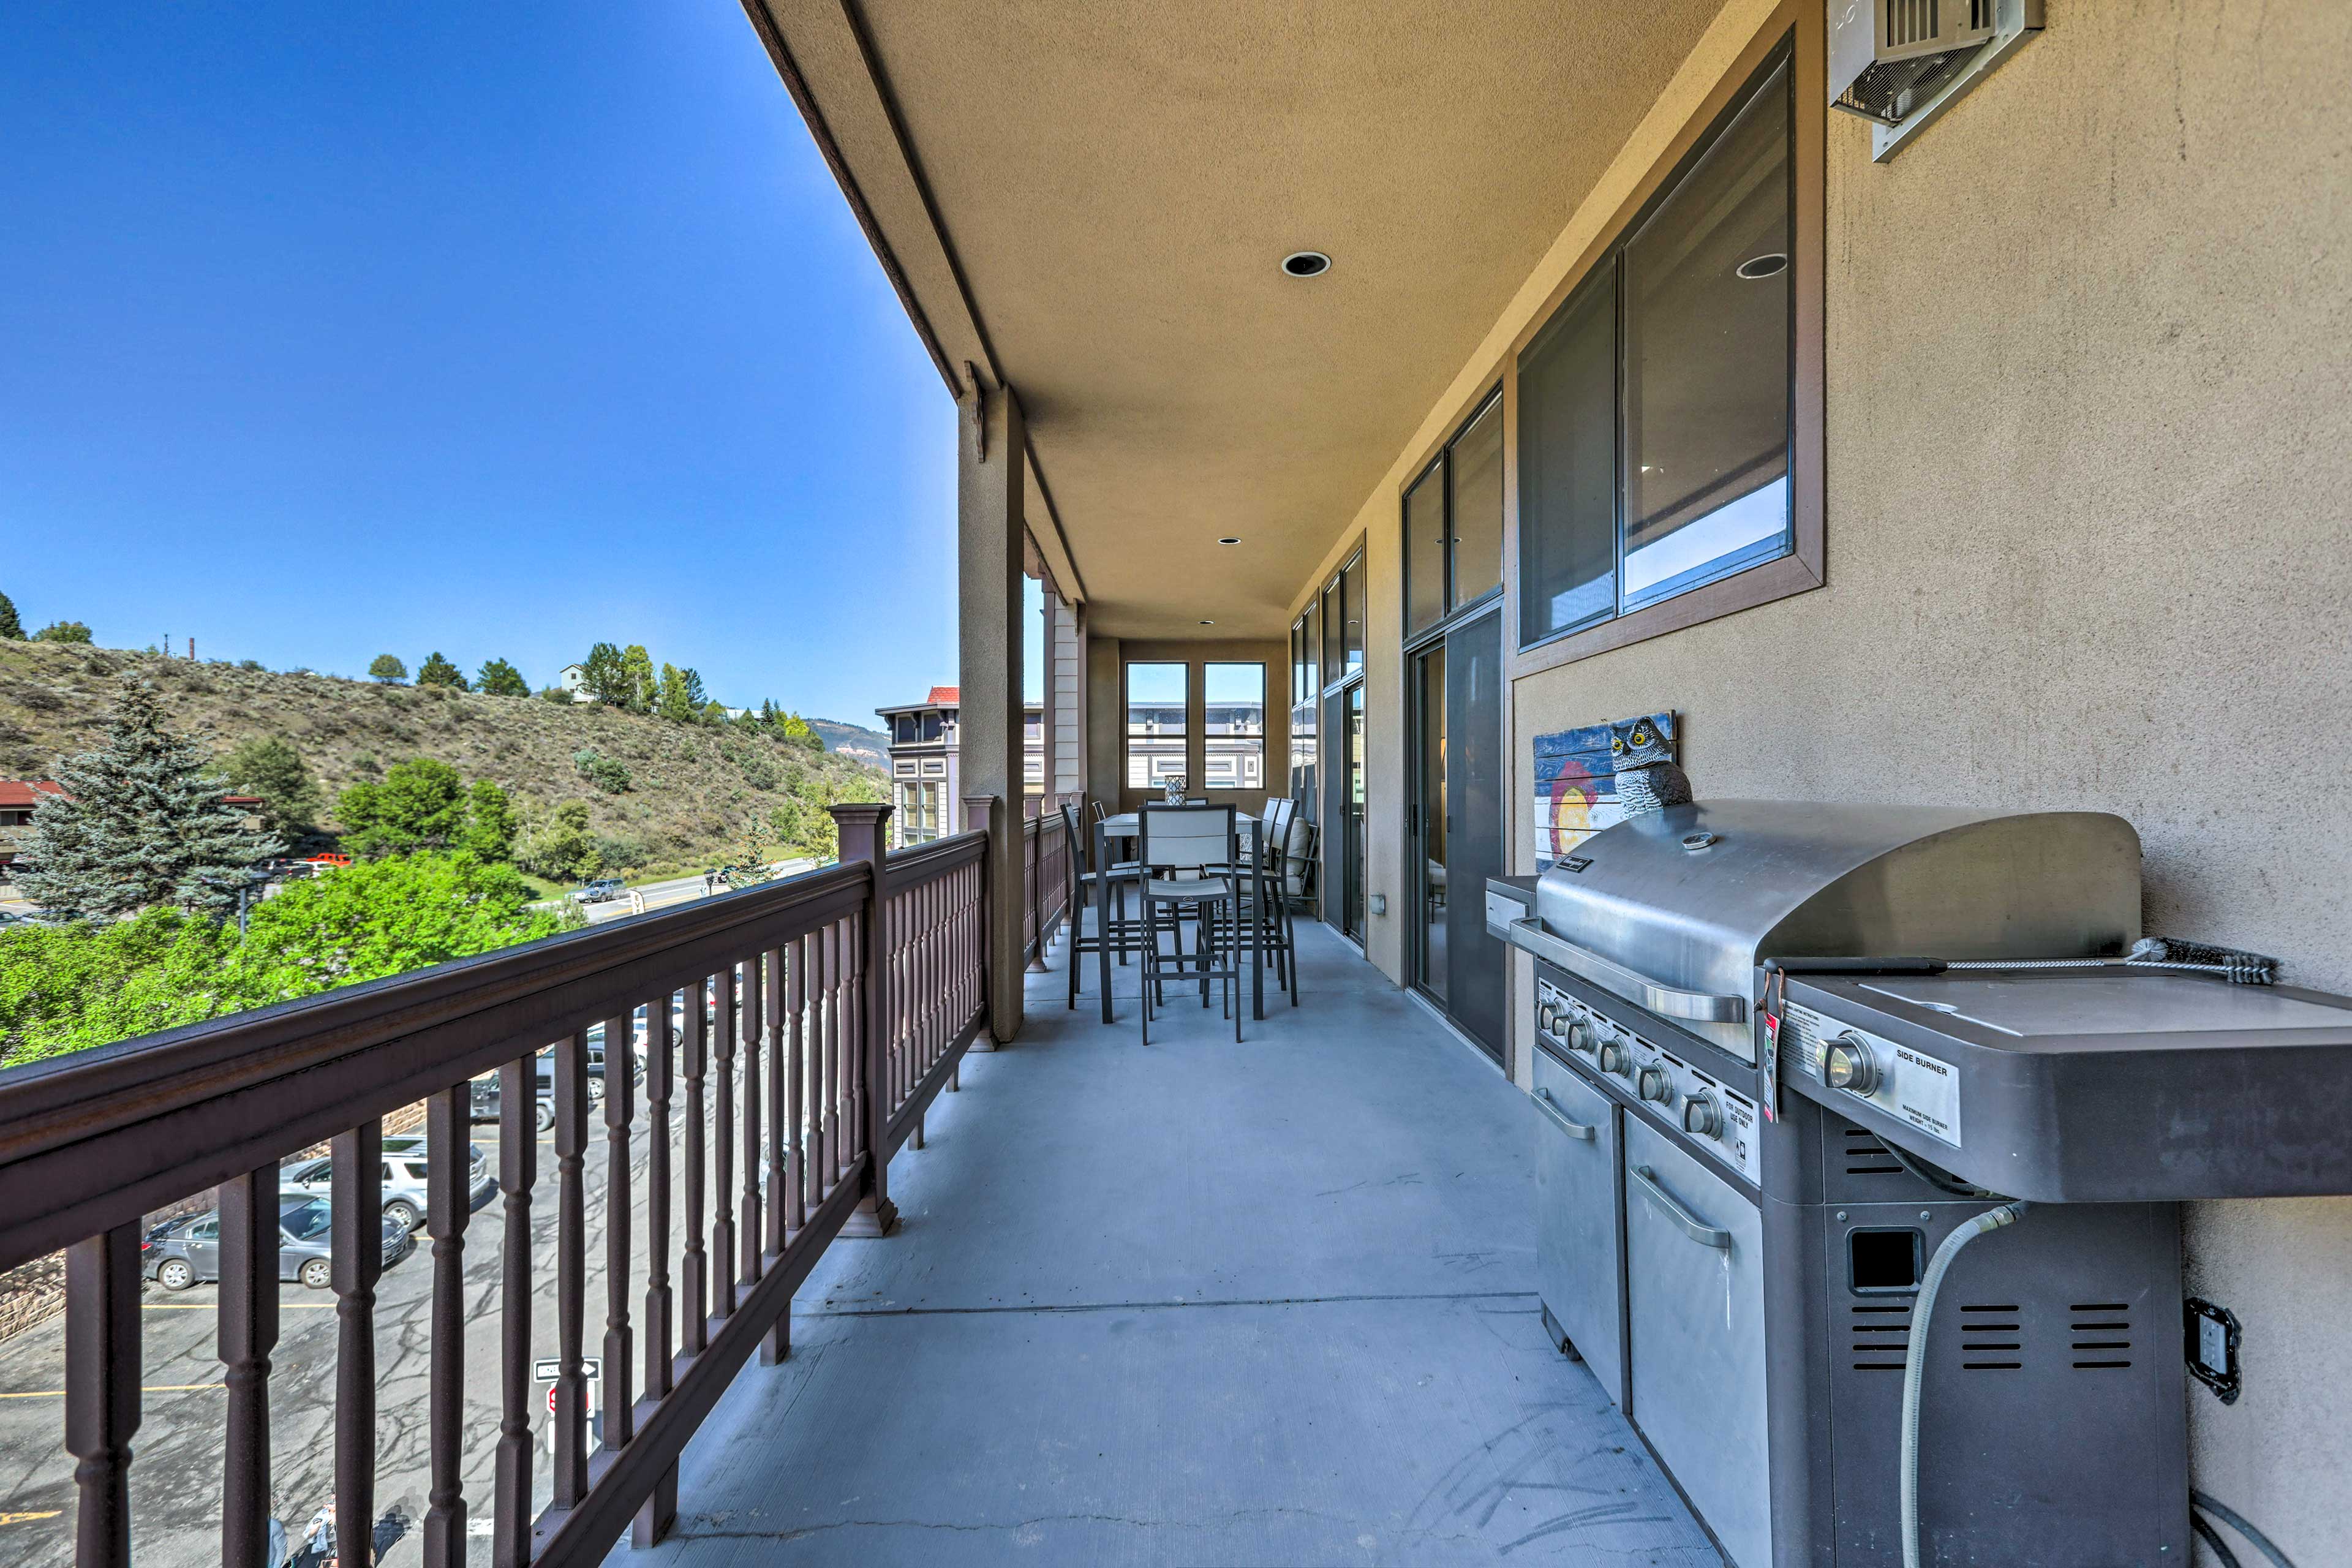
(1128, 825)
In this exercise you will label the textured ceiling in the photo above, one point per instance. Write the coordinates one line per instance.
(1116, 186)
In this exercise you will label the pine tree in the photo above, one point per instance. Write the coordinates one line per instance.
(605, 676)
(11, 628)
(141, 823)
(500, 678)
(697, 698)
(438, 672)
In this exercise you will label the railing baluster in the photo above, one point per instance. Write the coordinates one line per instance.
(102, 1390)
(571, 1413)
(749, 1227)
(518, 1169)
(796, 1075)
(722, 1146)
(772, 1010)
(355, 1201)
(448, 1191)
(659, 1512)
(827, 1165)
(620, 1100)
(694, 1304)
(247, 1332)
(659, 1328)
(777, 1343)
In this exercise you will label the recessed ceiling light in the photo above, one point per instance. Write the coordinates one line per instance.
(1229, 540)
(1306, 264)
(1757, 267)
(1208, 622)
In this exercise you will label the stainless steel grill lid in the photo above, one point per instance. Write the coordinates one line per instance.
(1674, 910)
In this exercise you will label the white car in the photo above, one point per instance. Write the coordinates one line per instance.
(403, 1179)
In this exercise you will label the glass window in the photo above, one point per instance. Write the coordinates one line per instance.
(1707, 363)
(1351, 582)
(1567, 464)
(1655, 409)
(1155, 723)
(1334, 628)
(1474, 479)
(1424, 549)
(1234, 725)
(1314, 687)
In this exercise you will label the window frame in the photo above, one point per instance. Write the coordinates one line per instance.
(1793, 33)
(1241, 785)
(1126, 731)
(1439, 471)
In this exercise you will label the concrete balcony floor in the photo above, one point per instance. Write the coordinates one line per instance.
(1197, 1303)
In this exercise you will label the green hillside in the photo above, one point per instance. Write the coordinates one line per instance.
(693, 791)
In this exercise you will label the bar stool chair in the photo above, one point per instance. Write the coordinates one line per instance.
(1095, 887)
(1181, 844)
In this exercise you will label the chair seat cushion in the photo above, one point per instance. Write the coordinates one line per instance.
(1204, 887)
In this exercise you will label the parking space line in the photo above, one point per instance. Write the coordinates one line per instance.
(154, 1388)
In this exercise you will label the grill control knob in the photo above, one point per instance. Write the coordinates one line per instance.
(1613, 1058)
(1546, 1017)
(1848, 1064)
(1579, 1037)
(1654, 1084)
(1702, 1118)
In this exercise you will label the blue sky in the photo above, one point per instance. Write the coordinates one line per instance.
(331, 331)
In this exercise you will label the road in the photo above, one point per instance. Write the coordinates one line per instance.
(176, 1476)
(677, 890)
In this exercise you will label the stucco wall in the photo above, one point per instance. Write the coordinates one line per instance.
(2089, 467)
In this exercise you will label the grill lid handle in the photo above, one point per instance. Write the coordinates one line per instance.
(1529, 936)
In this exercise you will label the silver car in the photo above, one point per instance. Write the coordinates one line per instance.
(403, 1180)
(184, 1252)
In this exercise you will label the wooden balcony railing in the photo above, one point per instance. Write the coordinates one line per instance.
(1045, 881)
(793, 1035)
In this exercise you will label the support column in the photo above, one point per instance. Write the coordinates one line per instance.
(992, 535)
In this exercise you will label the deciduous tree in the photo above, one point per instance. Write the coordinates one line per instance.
(558, 844)
(643, 687)
(270, 767)
(140, 824)
(387, 670)
(489, 823)
(63, 631)
(420, 805)
(674, 704)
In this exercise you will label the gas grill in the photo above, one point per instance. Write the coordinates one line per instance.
(1734, 1221)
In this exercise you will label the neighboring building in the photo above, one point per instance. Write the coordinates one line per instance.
(573, 679)
(17, 799)
(923, 773)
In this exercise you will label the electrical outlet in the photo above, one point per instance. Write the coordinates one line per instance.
(2211, 1336)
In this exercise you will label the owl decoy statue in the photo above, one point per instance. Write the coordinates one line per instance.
(1647, 777)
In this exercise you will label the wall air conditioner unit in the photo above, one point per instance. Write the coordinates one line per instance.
(1899, 64)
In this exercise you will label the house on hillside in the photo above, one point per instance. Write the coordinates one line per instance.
(573, 677)
(18, 797)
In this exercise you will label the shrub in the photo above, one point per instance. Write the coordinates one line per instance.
(63, 631)
(607, 773)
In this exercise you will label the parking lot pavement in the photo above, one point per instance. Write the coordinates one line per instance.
(175, 1475)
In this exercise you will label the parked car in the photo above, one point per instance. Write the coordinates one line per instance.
(403, 1180)
(184, 1252)
(599, 890)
